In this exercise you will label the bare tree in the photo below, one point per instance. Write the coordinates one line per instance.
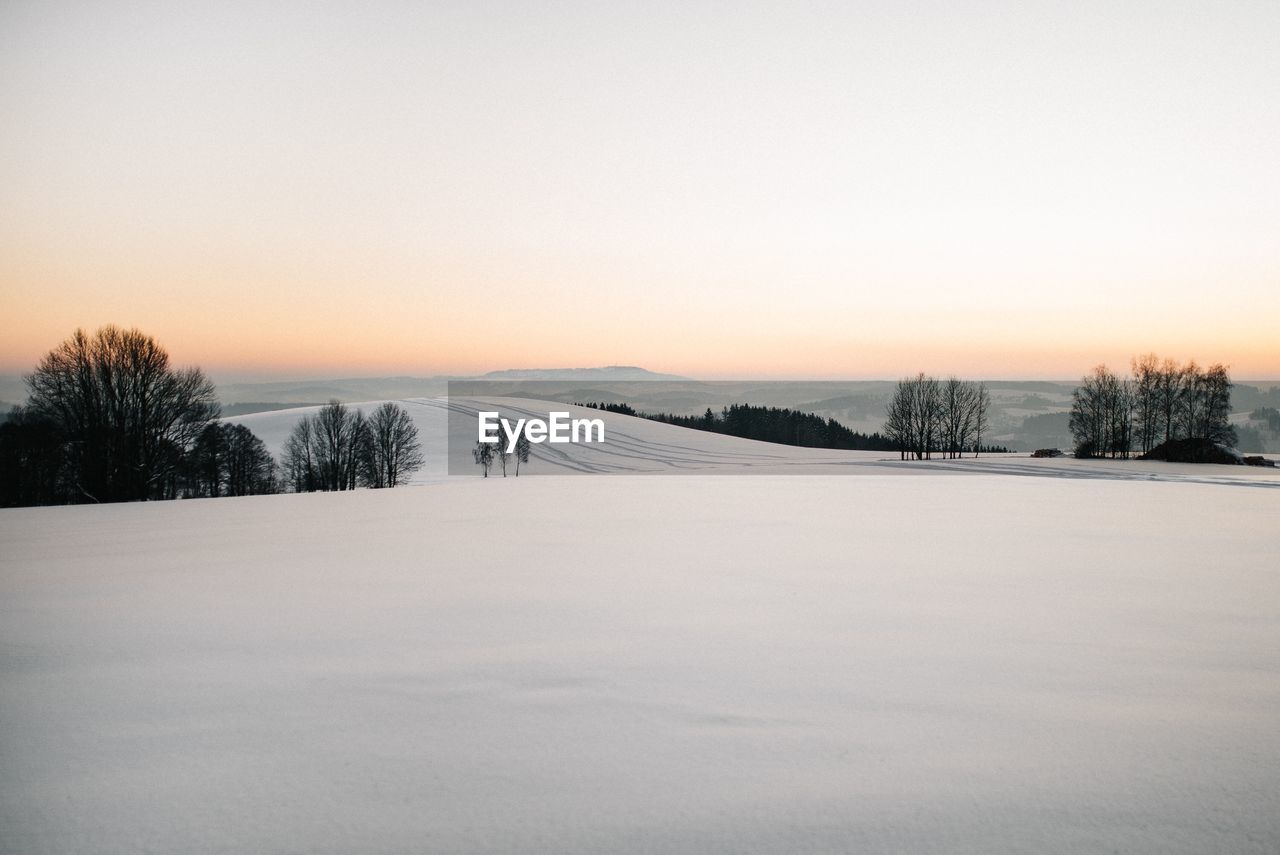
(982, 410)
(127, 416)
(1088, 414)
(959, 413)
(301, 470)
(326, 450)
(916, 417)
(900, 417)
(1216, 388)
(500, 453)
(1146, 386)
(1121, 407)
(1188, 420)
(1102, 415)
(248, 468)
(1167, 384)
(205, 462)
(343, 443)
(394, 451)
(928, 412)
(522, 452)
(483, 454)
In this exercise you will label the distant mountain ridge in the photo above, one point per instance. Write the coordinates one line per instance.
(351, 389)
(608, 372)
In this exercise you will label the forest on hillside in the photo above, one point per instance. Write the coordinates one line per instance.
(766, 424)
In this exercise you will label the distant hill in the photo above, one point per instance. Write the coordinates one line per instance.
(609, 372)
(348, 390)
(12, 389)
(236, 397)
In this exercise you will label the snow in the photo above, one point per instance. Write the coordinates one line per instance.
(635, 445)
(957, 661)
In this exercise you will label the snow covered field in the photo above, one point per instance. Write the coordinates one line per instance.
(634, 446)
(801, 663)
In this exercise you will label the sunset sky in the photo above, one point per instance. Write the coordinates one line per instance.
(833, 190)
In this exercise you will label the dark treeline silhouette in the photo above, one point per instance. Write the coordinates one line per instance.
(1163, 402)
(228, 460)
(928, 416)
(108, 419)
(127, 417)
(767, 424)
(34, 462)
(623, 409)
(339, 448)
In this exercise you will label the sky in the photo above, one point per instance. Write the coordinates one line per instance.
(844, 190)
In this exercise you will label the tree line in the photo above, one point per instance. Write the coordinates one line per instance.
(229, 460)
(928, 416)
(767, 424)
(1162, 401)
(110, 419)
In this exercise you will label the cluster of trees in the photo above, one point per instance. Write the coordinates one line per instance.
(229, 460)
(108, 419)
(928, 416)
(340, 449)
(1162, 401)
(768, 424)
(127, 416)
(490, 454)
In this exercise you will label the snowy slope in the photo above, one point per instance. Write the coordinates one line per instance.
(635, 445)
(638, 664)
(632, 444)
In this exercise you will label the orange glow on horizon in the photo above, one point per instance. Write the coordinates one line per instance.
(852, 192)
(362, 348)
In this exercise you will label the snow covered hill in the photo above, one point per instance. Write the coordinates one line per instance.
(634, 445)
(646, 664)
